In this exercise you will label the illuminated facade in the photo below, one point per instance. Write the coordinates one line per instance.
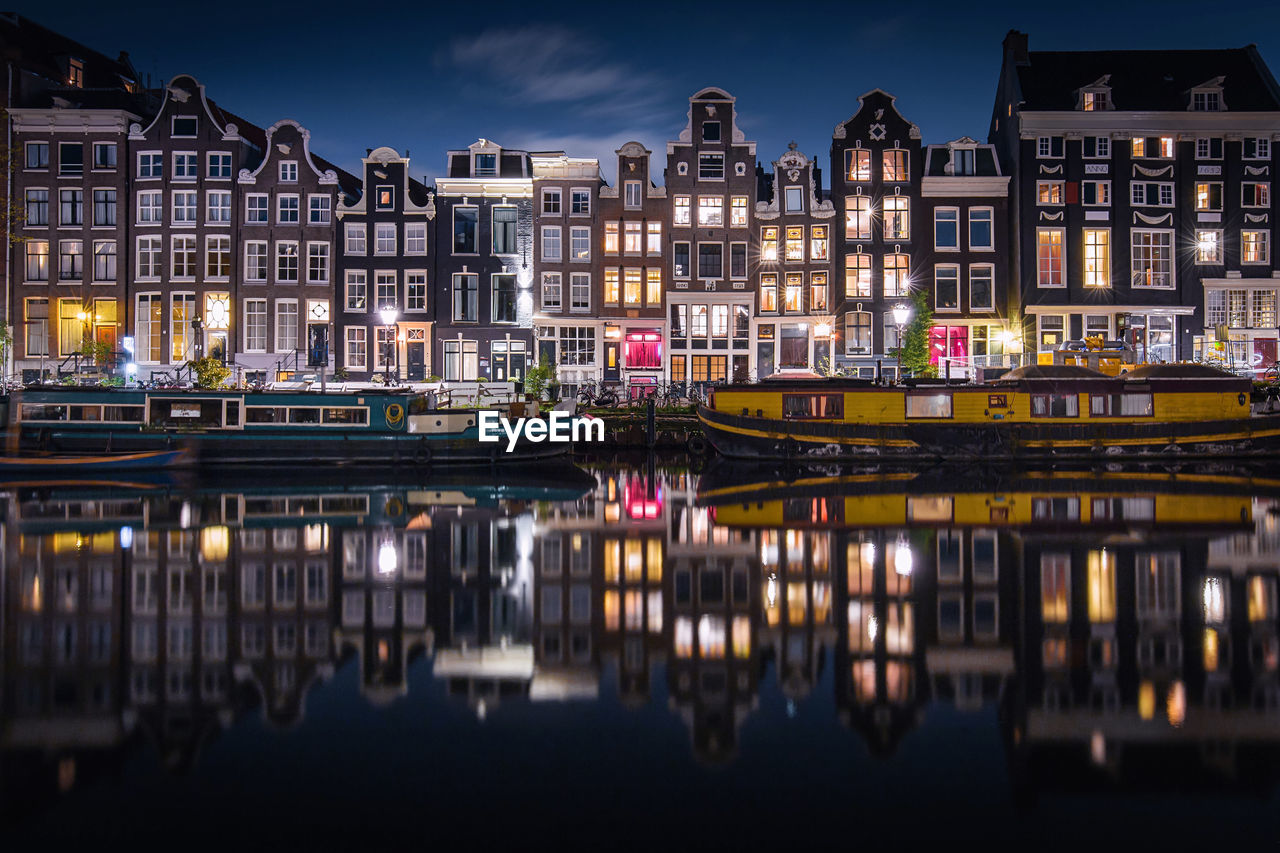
(387, 245)
(711, 187)
(1141, 197)
(794, 323)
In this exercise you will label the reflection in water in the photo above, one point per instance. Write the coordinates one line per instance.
(1122, 628)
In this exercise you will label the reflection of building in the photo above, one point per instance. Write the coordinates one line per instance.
(1137, 649)
(1109, 631)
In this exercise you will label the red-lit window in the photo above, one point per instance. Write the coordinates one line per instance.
(641, 504)
(644, 350)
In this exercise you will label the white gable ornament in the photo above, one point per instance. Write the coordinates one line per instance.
(877, 133)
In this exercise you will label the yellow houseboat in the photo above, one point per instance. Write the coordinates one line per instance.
(1039, 411)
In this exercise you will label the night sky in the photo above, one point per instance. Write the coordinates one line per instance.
(587, 78)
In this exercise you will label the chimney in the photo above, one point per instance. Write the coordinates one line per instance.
(1015, 47)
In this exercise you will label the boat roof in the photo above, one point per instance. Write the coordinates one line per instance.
(1051, 371)
(1178, 371)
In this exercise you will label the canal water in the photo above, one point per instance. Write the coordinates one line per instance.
(643, 655)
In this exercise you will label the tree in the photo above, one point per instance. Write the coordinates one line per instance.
(209, 372)
(13, 211)
(537, 378)
(914, 352)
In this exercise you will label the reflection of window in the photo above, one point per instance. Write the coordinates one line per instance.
(1055, 588)
(1102, 586)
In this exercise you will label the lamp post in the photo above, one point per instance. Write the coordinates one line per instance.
(389, 319)
(901, 314)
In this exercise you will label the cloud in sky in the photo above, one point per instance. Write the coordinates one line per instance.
(550, 64)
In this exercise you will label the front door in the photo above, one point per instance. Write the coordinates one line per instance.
(217, 346)
(106, 335)
(416, 355)
(741, 373)
(764, 359)
(612, 369)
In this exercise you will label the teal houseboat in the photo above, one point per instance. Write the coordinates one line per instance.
(259, 427)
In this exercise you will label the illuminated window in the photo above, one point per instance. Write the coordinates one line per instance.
(611, 288)
(680, 210)
(654, 244)
(818, 243)
(857, 276)
(631, 289)
(1049, 258)
(1049, 192)
(769, 243)
(896, 165)
(1097, 257)
(631, 238)
(1208, 247)
(768, 292)
(1255, 247)
(857, 164)
(611, 238)
(896, 275)
(794, 297)
(653, 286)
(1208, 196)
(1095, 99)
(795, 243)
(710, 210)
(818, 291)
(1152, 256)
(857, 217)
(897, 218)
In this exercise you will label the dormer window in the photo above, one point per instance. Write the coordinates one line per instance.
(711, 131)
(485, 166)
(1207, 97)
(1206, 101)
(184, 126)
(1095, 100)
(962, 161)
(75, 73)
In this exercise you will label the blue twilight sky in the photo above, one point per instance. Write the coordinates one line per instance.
(588, 77)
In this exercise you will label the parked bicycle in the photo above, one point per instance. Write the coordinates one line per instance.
(598, 397)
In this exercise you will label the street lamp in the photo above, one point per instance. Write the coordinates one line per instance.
(901, 314)
(389, 315)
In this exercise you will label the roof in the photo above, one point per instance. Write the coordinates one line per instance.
(1148, 79)
(41, 51)
(1178, 371)
(1051, 371)
(984, 161)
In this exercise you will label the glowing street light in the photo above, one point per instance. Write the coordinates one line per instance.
(389, 316)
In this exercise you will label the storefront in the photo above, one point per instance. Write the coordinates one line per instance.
(1151, 332)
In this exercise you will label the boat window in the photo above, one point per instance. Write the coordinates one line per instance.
(346, 416)
(812, 406)
(1055, 509)
(304, 416)
(265, 414)
(928, 405)
(233, 412)
(122, 413)
(1055, 405)
(86, 413)
(34, 412)
(186, 413)
(930, 508)
(1123, 405)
